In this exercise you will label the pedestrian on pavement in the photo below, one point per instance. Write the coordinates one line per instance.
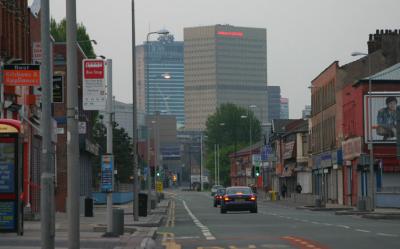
(299, 188)
(283, 190)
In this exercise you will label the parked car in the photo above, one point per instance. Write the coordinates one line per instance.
(218, 196)
(239, 198)
(215, 188)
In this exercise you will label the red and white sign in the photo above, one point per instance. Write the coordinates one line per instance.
(93, 69)
(94, 88)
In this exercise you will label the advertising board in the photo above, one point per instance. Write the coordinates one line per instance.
(107, 163)
(21, 75)
(382, 126)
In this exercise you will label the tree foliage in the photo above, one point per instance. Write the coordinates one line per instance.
(59, 33)
(122, 149)
(233, 135)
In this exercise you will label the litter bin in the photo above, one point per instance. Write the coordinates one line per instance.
(88, 207)
(143, 204)
(118, 221)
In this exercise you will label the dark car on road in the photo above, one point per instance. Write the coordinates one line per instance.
(218, 196)
(239, 199)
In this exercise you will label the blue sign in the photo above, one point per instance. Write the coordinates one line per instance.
(265, 152)
(7, 184)
(107, 172)
(7, 215)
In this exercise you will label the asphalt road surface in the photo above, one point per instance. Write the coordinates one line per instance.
(193, 222)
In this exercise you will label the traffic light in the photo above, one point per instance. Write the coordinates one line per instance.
(158, 173)
(257, 171)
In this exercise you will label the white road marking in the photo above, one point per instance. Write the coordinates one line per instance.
(387, 234)
(206, 232)
(343, 226)
(316, 223)
(327, 224)
(363, 231)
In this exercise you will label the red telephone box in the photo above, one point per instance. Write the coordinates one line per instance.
(11, 215)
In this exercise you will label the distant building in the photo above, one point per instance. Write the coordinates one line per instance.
(306, 113)
(284, 108)
(162, 62)
(224, 63)
(274, 102)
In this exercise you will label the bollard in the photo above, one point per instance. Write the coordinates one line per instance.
(118, 221)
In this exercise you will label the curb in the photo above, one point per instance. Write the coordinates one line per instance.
(389, 216)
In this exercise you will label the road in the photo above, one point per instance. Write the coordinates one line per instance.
(193, 222)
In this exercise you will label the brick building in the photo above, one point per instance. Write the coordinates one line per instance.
(327, 112)
(387, 168)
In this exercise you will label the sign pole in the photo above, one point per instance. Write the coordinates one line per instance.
(73, 172)
(109, 142)
(47, 209)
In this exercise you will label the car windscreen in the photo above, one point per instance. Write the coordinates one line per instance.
(221, 191)
(238, 191)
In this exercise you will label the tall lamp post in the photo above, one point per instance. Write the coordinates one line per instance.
(157, 121)
(371, 191)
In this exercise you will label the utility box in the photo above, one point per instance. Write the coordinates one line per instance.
(118, 221)
(88, 207)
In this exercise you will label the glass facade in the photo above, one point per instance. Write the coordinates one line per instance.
(164, 77)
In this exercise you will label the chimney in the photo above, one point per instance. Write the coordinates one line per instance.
(382, 39)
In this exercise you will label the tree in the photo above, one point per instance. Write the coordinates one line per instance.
(231, 136)
(122, 149)
(59, 32)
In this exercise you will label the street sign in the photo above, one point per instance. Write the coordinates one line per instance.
(107, 163)
(21, 75)
(94, 88)
(36, 53)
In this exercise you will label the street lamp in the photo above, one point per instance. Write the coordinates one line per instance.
(371, 191)
(156, 122)
(166, 76)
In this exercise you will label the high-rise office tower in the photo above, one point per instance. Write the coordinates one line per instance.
(160, 78)
(224, 63)
(284, 108)
(274, 102)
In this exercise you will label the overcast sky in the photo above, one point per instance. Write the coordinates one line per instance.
(303, 36)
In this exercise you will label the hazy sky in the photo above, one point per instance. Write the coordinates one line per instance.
(303, 36)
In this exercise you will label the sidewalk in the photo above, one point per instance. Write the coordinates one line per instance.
(378, 213)
(137, 234)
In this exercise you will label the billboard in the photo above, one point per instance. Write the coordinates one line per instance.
(94, 87)
(380, 123)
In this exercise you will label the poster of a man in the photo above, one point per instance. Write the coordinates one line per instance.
(386, 119)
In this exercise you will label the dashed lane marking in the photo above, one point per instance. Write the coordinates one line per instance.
(387, 235)
(363, 231)
(206, 232)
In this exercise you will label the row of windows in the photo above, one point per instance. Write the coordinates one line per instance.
(324, 135)
(323, 97)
